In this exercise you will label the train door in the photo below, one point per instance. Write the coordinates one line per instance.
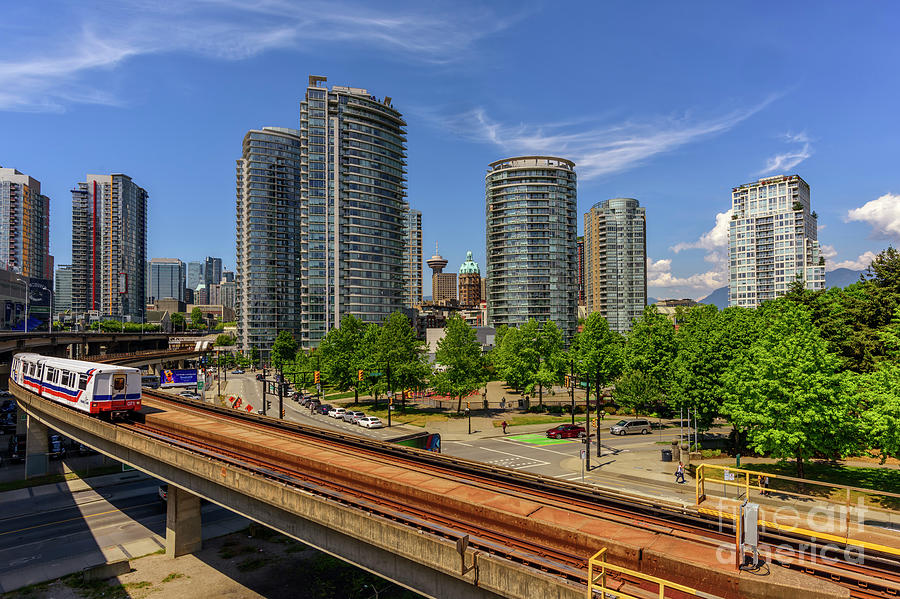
(119, 386)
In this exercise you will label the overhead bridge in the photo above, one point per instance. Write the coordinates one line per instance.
(442, 526)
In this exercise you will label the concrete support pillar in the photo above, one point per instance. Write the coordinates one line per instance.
(37, 462)
(183, 525)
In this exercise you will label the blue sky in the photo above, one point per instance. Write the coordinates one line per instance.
(669, 103)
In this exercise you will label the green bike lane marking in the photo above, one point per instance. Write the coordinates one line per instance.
(540, 439)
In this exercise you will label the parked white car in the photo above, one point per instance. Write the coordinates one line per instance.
(352, 416)
(370, 422)
(337, 412)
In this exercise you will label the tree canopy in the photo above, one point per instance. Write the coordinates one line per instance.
(459, 352)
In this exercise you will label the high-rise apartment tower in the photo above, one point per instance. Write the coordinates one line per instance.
(530, 207)
(322, 218)
(354, 195)
(24, 226)
(413, 258)
(109, 246)
(615, 249)
(772, 240)
(268, 237)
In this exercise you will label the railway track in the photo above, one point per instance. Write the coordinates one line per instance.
(878, 577)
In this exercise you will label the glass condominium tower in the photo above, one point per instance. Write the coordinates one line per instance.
(354, 213)
(772, 241)
(322, 219)
(267, 244)
(615, 261)
(531, 211)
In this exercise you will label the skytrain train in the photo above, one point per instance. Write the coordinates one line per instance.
(107, 391)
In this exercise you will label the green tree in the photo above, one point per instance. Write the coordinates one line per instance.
(597, 352)
(401, 354)
(784, 391)
(338, 353)
(460, 353)
(177, 321)
(224, 340)
(707, 341)
(552, 358)
(650, 348)
(254, 357)
(517, 359)
(284, 349)
(197, 318)
(637, 390)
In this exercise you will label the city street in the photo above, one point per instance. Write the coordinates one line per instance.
(46, 532)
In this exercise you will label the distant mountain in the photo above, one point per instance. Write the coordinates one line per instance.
(652, 300)
(718, 298)
(836, 278)
(841, 277)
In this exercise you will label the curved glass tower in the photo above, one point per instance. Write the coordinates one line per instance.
(530, 205)
(354, 217)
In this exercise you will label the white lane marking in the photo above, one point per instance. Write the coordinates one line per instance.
(515, 455)
(459, 443)
(517, 444)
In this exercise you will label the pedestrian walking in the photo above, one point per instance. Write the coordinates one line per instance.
(679, 473)
(765, 485)
(504, 425)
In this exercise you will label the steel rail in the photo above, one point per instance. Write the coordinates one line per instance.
(587, 498)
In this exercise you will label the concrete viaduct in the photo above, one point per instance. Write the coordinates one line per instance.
(421, 561)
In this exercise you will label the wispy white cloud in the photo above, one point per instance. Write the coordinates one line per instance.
(55, 66)
(597, 150)
(860, 263)
(883, 214)
(788, 160)
(714, 239)
(660, 277)
(827, 251)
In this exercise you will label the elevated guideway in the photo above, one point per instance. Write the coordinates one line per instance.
(444, 527)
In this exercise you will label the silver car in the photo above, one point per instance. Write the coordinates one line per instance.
(629, 427)
(351, 416)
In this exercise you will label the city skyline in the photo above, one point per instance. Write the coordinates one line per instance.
(675, 136)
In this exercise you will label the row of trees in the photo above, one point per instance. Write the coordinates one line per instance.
(391, 357)
(809, 374)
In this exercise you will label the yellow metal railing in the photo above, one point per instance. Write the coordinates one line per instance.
(839, 528)
(599, 570)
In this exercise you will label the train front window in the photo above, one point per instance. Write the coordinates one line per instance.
(119, 382)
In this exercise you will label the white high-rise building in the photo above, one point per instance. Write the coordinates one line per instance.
(412, 265)
(772, 240)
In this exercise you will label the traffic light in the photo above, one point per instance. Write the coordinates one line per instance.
(316, 377)
(268, 405)
(359, 375)
(567, 381)
(391, 400)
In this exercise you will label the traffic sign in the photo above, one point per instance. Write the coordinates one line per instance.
(583, 454)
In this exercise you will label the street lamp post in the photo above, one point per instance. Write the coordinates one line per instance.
(469, 417)
(572, 384)
(587, 426)
(599, 446)
(390, 394)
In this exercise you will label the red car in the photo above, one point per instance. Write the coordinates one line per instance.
(566, 431)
